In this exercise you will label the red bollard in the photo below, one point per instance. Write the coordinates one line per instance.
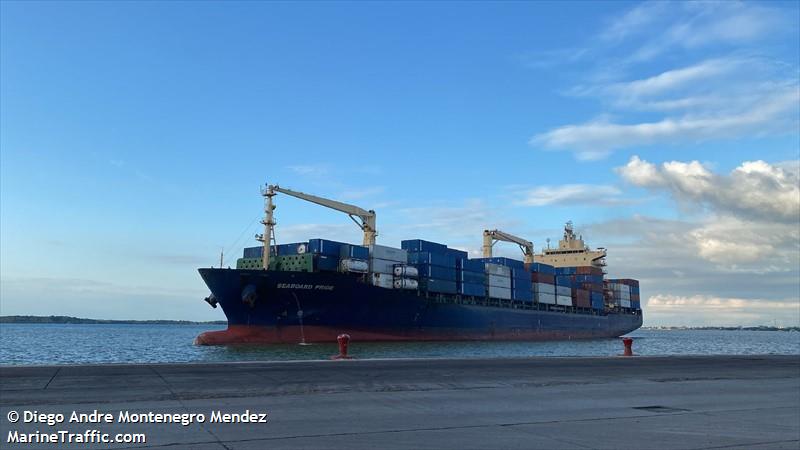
(628, 343)
(344, 341)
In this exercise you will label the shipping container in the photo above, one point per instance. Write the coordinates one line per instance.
(406, 271)
(582, 303)
(382, 266)
(436, 272)
(564, 290)
(522, 284)
(538, 277)
(354, 265)
(436, 259)
(473, 289)
(326, 263)
(498, 281)
(542, 297)
(472, 265)
(542, 268)
(565, 271)
(405, 283)
(388, 253)
(384, 280)
(562, 280)
(324, 247)
(522, 295)
(544, 288)
(500, 292)
(419, 245)
(625, 303)
(457, 254)
(496, 269)
(354, 251)
(471, 277)
(438, 286)
(564, 300)
(636, 304)
(598, 304)
(508, 262)
(521, 274)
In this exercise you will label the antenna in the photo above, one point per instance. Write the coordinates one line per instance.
(221, 254)
(548, 243)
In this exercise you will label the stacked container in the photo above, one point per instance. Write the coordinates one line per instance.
(624, 292)
(470, 277)
(435, 264)
(521, 285)
(498, 281)
(382, 261)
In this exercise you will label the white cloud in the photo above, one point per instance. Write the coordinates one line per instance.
(309, 169)
(755, 189)
(774, 113)
(711, 310)
(741, 90)
(570, 194)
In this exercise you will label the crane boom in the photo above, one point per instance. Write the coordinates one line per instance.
(491, 237)
(367, 218)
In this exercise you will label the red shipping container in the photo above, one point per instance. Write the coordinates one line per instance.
(538, 277)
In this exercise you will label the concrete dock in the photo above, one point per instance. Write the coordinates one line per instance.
(550, 403)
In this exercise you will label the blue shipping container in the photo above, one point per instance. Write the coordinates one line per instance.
(436, 272)
(566, 270)
(563, 280)
(597, 304)
(525, 296)
(418, 245)
(326, 263)
(472, 265)
(437, 259)
(636, 305)
(543, 268)
(466, 276)
(325, 247)
(457, 254)
(441, 286)
(474, 289)
(508, 262)
(520, 274)
(522, 284)
(354, 251)
(253, 252)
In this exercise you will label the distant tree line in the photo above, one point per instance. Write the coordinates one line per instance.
(78, 320)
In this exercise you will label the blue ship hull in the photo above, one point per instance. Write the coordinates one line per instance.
(290, 307)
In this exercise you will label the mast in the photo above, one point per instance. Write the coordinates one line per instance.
(268, 238)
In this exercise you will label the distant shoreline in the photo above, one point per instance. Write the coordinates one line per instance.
(78, 320)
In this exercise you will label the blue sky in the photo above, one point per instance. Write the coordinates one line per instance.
(134, 138)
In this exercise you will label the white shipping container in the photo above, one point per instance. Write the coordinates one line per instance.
(564, 290)
(499, 281)
(382, 265)
(383, 280)
(500, 292)
(497, 269)
(563, 300)
(405, 283)
(623, 295)
(354, 265)
(544, 288)
(406, 271)
(540, 297)
(388, 253)
(625, 303)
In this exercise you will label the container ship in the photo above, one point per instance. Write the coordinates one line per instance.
(312, 291)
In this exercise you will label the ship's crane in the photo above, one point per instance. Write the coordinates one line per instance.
(491, 237)
(363, 218)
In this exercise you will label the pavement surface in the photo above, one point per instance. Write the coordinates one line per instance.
(703, 402)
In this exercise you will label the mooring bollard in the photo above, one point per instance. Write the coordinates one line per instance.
(344, 341)
(628, 343)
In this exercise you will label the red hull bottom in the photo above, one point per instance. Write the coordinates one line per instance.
(248, 334)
